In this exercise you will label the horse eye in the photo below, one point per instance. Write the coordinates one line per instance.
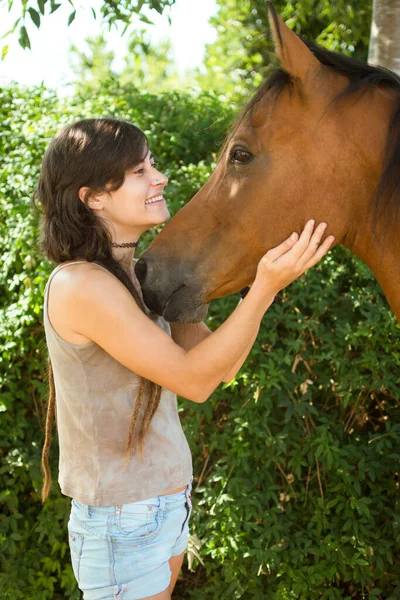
(240, 156)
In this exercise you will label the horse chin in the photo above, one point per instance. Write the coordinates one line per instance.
(195, 314)
(183, 306)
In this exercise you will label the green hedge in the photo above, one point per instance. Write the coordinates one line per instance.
(296, 461)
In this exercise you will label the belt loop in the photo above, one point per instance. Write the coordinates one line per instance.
(188, 491)
(162, 503)
(87, 511)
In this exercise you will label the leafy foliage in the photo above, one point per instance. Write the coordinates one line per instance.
(185, 134)
(111, 12)
(296, 461)
(300, 451)
(244, 49)
(146, 66)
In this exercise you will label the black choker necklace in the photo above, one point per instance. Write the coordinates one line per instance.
(124, 245)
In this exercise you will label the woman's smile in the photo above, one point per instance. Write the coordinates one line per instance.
(155, 199)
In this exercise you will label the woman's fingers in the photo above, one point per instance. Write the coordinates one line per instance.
(304, 240)
(283, 248)
(303, 251)
(320, 253)
(283, 264)
(299, 249)
(313, 244)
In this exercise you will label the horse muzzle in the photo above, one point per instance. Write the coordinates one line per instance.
(171, 291)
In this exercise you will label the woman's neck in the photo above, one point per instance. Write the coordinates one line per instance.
(125, 257)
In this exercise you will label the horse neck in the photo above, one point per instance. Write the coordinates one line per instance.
(380, 250)
(382, 256)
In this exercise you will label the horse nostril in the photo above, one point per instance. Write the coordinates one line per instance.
(141, 270)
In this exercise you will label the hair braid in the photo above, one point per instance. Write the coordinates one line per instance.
(135, 417)
(153, 403)
(50, 416)
(147, 388)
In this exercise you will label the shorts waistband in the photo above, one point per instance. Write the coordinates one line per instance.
(156, 501)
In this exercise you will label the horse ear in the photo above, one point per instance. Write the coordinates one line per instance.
(296, 58)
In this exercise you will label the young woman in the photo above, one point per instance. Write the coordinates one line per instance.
(115, 369)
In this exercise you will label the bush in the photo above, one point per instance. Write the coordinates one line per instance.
(296, 460)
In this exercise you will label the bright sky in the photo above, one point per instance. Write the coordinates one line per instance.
(49, 59)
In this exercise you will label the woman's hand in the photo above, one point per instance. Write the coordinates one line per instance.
(283, 264)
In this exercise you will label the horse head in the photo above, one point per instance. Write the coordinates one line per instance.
(310, 144)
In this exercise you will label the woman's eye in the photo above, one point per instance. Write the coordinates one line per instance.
(240, 156)
(139, 171)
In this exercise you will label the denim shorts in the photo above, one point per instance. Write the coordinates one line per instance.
(121, 552)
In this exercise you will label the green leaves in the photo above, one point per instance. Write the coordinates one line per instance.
(4, 52)
(243, 54)
(24, 40)
(34, 16)
(71, 18)
(112, 13)
(54, 6)
(34, 556)
(328, 500)
(41, 5)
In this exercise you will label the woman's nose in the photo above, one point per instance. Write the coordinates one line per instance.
(160, 180)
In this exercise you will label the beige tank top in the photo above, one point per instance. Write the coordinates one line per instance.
(95, 397)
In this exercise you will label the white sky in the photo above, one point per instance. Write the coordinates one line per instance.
(49, 59)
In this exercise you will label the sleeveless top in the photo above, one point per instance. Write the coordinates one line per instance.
(95, 397)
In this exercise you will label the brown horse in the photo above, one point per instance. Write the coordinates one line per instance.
(320, 139)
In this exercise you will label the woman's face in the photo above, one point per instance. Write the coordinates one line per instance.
(139, 203)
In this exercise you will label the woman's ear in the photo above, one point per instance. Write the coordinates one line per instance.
(88, 198)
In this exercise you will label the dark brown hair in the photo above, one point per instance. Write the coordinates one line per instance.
(93, 153)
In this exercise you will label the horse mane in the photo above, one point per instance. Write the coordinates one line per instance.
(362, 77)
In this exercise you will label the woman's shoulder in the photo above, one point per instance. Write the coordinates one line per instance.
(74, 270)
(81, 278)
(82, 292)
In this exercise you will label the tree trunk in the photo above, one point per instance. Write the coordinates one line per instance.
(384, 46)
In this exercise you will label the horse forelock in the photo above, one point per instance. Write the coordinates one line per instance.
(273, 85)
(362, 77)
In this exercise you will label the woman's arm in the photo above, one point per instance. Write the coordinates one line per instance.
(188, 335)
(98, 307)
(238, 364)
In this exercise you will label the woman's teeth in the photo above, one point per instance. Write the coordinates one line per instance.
(155, 199)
